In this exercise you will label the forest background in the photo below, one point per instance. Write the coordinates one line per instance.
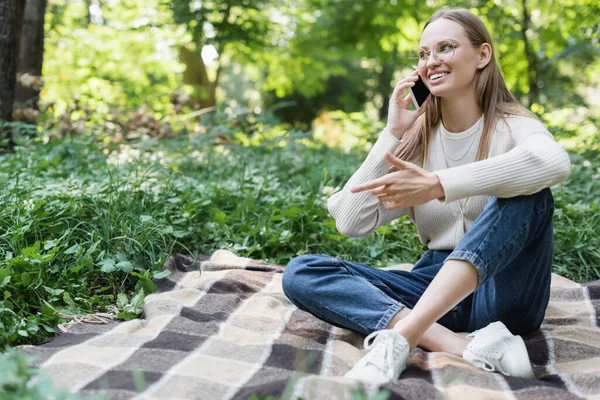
(134, 129)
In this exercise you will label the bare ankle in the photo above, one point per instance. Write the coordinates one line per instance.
(397, 318)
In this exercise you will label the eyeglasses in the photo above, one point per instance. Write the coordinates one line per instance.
(443, 52)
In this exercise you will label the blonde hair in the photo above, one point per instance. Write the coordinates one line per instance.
(493, 96)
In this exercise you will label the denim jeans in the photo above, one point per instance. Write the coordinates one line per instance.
(510, 244)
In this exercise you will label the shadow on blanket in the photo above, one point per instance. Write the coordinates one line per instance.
(229, 331)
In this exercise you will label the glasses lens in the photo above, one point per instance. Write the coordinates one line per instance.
(444, 51)
(415, 59)
(422, 56)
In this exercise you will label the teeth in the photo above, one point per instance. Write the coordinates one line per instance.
(436, 76)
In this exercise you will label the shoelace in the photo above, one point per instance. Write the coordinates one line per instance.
(387, 346)
(483, 364)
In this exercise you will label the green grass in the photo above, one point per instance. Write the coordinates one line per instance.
(86, 226)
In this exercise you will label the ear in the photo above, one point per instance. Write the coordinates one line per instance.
(485, 55)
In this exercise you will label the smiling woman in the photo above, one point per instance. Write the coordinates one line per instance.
(484, 211)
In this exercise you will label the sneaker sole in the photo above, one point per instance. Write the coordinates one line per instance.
(522, 359)
(517, 343)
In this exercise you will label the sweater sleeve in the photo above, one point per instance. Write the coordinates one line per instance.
(536, 162)
(359, 214)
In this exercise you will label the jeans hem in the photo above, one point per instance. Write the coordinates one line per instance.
(474, 259)
(387, 317)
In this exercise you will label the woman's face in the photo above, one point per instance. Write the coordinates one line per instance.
(460, 69)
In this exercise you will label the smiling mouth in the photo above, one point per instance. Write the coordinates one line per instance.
(435, 77)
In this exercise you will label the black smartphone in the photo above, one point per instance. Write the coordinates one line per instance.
(419, 93)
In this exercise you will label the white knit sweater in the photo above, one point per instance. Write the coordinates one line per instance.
(530, 163)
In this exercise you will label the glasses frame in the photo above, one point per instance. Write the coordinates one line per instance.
(417, 59)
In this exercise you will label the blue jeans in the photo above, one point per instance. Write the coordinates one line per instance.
(510, 244)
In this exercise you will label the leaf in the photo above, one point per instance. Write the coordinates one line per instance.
(145, 218)
(5, 281)
(49, 244)
(161, 274)
(292, 212)
(73, 249)
(179, 233)
(375, 252)
(138, 301)
(47, 309)
(67, 298)
(147, 285)
(125, 266)
(32, 250)
(26, 278)
(167, 230)
(122, 300)
(92, 248)
(219, 217)
(108, 265)
(127, 315)
(55, 292)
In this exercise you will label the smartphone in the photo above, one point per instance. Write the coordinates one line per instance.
(419, 93)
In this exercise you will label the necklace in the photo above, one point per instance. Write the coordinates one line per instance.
(463, 205)
(466, 152)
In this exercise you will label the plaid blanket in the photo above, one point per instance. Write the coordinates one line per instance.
(227, 331)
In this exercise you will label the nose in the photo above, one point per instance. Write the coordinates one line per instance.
(430, 56)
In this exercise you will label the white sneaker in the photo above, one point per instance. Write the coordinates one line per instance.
(386, 360)
(494, 348)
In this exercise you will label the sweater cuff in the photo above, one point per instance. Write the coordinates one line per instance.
(457, 183)
(386, 143)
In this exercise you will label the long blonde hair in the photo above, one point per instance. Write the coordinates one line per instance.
(493, 96)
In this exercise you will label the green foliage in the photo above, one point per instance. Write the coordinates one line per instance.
(126, 61)
(82, 229)
(235, 22)
(577, 222)
(19, 381)
(563, 37)
(71, 242)
(87, 226)
(320, 53)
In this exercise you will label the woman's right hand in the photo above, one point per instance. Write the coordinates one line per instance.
(400, 119)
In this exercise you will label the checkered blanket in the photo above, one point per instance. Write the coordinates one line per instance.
(227, 331)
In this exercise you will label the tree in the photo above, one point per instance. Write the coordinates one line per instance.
(545, 47)
(8, 51)
(31, 49)
(381, 33)
(235, 27)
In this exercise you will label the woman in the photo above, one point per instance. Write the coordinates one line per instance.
(484, 211)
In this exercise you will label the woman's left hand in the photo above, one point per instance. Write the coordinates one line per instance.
(408, 187)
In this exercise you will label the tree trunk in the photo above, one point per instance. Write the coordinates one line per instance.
(196, 74)
(31, 51)
(8, 50)
(532, 68)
